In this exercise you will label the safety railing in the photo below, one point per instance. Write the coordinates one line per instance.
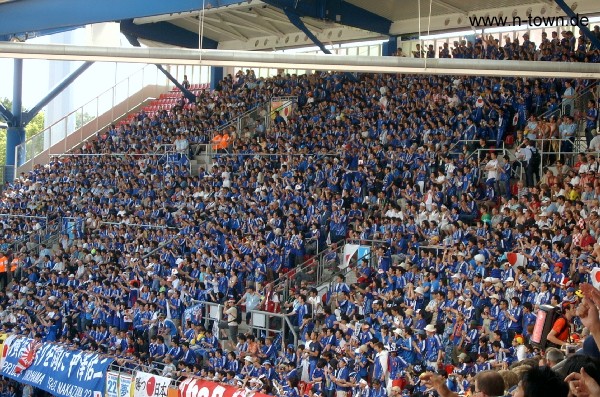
(322, 268)
(159, 247)
(277, 104)
(247, 119)
(317, 268)
(266, 322)
(579, 102)
(137, 225)
(84, 122)
(252, 119)
(48, 230)
(7, 173)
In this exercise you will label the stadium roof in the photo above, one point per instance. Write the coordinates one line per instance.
(265, 25)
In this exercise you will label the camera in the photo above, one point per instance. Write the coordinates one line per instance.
(570, 349)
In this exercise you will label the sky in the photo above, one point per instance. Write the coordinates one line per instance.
(37, 80)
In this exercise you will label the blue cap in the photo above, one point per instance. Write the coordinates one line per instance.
(267, 363)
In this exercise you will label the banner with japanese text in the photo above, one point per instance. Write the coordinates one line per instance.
(57, 369)
(193, 314)
(191, 387)
(118, 385)
(125, 381)
(6, 340)
(112, 384)
(150, 385)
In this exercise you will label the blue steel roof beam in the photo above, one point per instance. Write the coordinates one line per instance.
(188, 94)
(337, 11)
(165, 32)
(132, 40)
(60, 87)
(295, 19)
(39, 15)
(586, 31)
(6, 114)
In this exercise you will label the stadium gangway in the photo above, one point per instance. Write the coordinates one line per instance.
(580, 97)
(262, 321)
(197, 149)
(253, 117)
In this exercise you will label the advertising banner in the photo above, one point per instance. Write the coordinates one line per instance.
(202, 388)
(125, 385)
(57, 369)
(149, 385)
(112, 384)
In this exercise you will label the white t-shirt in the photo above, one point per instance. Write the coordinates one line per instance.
(492, 167)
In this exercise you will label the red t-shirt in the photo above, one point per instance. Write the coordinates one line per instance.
(561, 328)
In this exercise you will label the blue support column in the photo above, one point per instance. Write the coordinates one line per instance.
(297, 22)
(15, 135)
(567, 10)
(5, 113)
(27, 117)
(390, 47)
(216, 75)
(188, 94)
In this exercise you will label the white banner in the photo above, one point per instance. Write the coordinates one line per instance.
(5, 347)
(125, 385)
(349, 251)
(149, 385)
(112, 384)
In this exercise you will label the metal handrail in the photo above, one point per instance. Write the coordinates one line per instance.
(315, 261)
(263, 319)
(585, 91)
(233, 121)
(160, 246)
(82, 106)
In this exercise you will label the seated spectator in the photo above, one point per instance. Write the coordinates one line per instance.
(541, 381)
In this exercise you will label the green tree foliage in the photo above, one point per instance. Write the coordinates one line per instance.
(34, 127)
(82, 120)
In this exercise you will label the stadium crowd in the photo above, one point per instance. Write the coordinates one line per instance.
(371, 158)
(556, 48)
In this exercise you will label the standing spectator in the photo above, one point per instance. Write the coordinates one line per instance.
(591, 122)
(568, 99)
(185, 83)
(3, 270)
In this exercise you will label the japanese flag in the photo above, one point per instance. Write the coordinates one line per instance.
(479, 103)
(516, 119)
(595, 276)
(516, 259)
(349, 251)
